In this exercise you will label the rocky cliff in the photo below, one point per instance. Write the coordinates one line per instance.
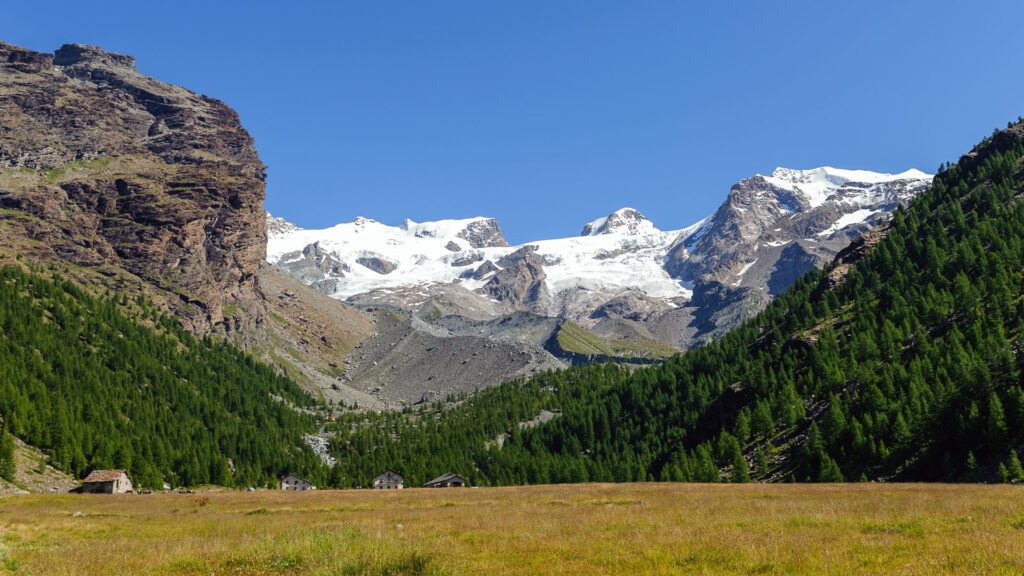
(109, 169)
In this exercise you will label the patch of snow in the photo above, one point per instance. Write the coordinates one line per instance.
(845, 220)
(595, 225)
(747, 267)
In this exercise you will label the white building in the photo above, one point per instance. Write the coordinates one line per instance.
(388, 481)
(293, 482)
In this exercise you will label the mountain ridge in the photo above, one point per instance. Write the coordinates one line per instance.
(770, 230)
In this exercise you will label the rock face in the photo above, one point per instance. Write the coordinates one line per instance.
(108, 168)
(311, 264)
(483, 234)
(773, 229)
(520, 280)
(770, 231)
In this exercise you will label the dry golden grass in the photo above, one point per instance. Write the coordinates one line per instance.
(586, 529)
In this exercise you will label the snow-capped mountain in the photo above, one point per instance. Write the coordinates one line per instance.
(622, 276)
(806, 214)
(365, 256)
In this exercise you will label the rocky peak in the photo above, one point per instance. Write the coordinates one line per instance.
(484, 233)
(93, 64)
(477, 232)
(814, 207)
(623, 221)
(279, 226)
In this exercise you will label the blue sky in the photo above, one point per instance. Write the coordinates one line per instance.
(548, 114)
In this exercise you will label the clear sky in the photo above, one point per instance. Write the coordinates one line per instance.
(549, 114)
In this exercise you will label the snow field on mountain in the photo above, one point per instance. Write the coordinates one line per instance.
(621, 251)
(607, 261)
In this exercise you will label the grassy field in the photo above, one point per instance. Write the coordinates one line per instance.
(587, 529)
(573, 338)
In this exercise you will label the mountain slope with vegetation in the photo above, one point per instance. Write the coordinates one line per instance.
(124, 183)
(101, 381)
(900, 361)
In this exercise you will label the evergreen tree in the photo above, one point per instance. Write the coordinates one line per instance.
(7, 468)
(1014, 472)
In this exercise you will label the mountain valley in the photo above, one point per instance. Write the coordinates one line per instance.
(820, 325)
(644, 292)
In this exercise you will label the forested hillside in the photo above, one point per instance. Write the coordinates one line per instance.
(906, 365)
(104, 382)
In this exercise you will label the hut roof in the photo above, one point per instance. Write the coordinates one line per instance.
(446, 477)
(104, 475)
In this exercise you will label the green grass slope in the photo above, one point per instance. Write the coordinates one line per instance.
(573, 338)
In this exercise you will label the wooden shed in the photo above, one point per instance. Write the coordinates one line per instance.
(106, 482)
(449, 480)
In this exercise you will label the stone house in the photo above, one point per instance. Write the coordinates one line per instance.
(106, 482)
(293, 482)
(389, 480)
(449, 480)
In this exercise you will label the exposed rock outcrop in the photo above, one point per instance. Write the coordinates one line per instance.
(467, 260)
(520, 283)
(482, 271)
(483, 234)
(378, 265)
(108, 168)
(312, 265)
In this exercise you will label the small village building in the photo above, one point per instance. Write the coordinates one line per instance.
(293, 482)
(389, 480)
(106, 482)
(449, 480)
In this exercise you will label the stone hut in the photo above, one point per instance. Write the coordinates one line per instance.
(106, 482)
(389, 480)
(449, 480)
(293, 482)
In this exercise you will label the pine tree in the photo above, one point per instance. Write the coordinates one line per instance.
(761, 461)
(7, 468)
(740, 469)
(997, 428)
(971, 467)
(1014, 472)
(829, 471)
(1003, 474)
